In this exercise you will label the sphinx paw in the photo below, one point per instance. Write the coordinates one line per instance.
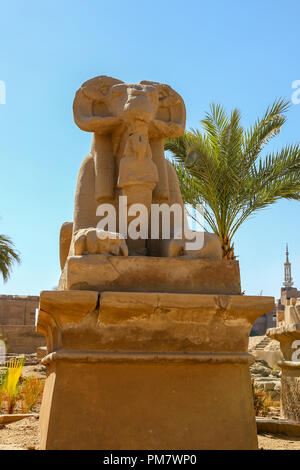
(93, 241)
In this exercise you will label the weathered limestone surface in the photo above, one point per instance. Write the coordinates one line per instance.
(167, 363)
(290, 391)
(291, 312)
(129, 123)
(289, 338)
(151, 274)
(147, 337)
(131, 404)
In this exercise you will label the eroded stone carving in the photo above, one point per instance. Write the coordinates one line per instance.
(140, 327)
(129, 124)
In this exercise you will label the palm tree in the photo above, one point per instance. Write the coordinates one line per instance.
(7, 256)
(223, 169)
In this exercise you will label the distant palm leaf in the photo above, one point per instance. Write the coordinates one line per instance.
(7, 256)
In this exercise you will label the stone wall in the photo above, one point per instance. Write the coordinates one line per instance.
(18, 309)
(21, 339)
(17, 323)
(289, 293)
(263, 323)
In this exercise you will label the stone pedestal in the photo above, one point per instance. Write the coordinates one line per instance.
(289, 337)
(129, 370)
(150, 274)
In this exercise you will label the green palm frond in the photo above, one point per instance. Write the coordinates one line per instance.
(8, 255)
(264, 129)
(223, 168)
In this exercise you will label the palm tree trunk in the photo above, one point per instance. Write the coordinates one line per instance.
(227, 248)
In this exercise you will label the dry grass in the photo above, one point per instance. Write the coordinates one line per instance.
(261, 402)
(31, 393)
(2, 396)
(17, 393)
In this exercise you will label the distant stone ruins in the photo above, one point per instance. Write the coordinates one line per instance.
(17, 323)
(287, 292)
(263, 323)
(147, 338)
(287, 333)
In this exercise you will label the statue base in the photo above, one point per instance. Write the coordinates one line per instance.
(289, 339)
(148, 370)
(150, 274)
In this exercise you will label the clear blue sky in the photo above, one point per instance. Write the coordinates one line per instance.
(242, 54)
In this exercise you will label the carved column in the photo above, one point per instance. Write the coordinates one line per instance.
(288, 335)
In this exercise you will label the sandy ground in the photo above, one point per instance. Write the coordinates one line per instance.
(25, 435)
(20, 435)
(37, 371)
(272, 442)
(253, 341)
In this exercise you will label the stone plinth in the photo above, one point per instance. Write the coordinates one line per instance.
(289, 338)
(150, 274)
(148, 370)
